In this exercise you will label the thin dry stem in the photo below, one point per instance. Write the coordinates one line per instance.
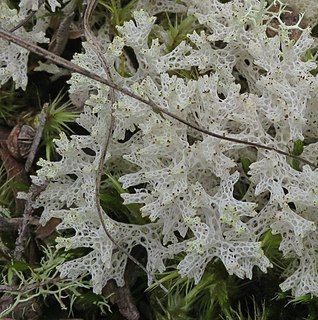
(77, 69)
(27, 18)
(96, 47)
(37, 138)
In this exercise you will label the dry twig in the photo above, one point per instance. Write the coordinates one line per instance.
(37, 138)
(74, 68)
(130, 311)
(27, 18)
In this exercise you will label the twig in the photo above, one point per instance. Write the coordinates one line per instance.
(7, 300)
(95, 45)
(74, 68)
(37, 138)
(27, 18)
(61, 35)
(22, 237)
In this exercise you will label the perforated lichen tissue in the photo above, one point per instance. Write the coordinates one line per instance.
(244, 71)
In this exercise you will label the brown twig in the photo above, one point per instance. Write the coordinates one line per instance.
(77, 69)
(130, 312)
(37, 138)
(27, 18)
(60, 38)
(122, 297)
(34, 192)
(15, 169)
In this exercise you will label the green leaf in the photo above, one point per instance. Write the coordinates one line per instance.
(10, 276)
(298, 148)
(134, 209)
(246, 162)
(20, 266)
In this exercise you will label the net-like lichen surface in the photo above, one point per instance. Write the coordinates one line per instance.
(188, 177)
